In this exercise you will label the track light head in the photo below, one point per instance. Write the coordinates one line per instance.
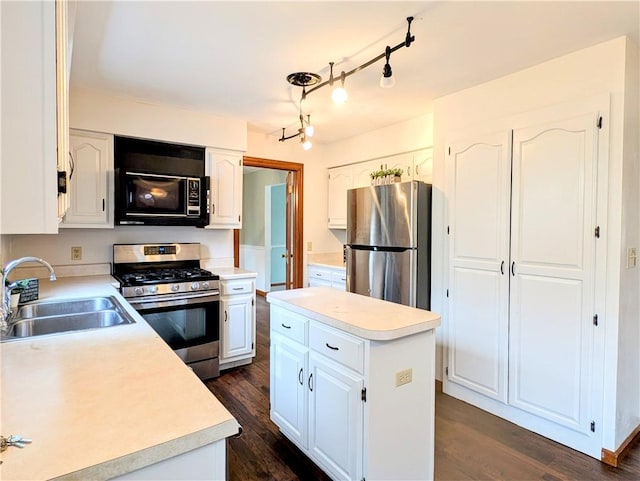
(387, 80)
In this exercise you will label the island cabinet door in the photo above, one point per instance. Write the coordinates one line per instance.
(335, 418)
(289, 391)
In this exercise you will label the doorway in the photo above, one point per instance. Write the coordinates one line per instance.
(292, 252)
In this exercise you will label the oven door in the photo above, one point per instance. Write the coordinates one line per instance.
(190, 325)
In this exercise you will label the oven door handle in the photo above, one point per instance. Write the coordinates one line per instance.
(189, 299)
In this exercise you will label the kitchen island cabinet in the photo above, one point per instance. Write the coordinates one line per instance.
(107, 403)
(352, 382)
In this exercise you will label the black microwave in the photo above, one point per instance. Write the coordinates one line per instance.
(160, 184)
(156, 199)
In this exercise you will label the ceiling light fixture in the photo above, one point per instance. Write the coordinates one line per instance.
(339, 94)
(387, 80)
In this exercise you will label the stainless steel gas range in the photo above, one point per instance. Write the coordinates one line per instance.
(181, 301)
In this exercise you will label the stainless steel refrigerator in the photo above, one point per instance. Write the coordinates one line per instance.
(388, 249)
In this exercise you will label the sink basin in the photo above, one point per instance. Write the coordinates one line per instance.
(59, 308)
(56, 317)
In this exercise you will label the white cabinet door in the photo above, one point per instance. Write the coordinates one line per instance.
(362, 173)
(335, 418)
(422, 166)
(237, 326)
(340, 180)
(225, 171)
(399, 161)
(29, 136)
(91, 180)
(478, 173)
(552, 249)
(288, 387)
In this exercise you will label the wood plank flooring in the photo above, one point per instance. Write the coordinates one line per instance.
(470, 444)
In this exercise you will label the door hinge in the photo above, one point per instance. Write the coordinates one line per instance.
(446, 370)
(593, 426)
(600, 122)
(597, 232)
(363, 394)
(595, 320)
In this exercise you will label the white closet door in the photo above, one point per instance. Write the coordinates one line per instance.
(553, 250)
(478, 173)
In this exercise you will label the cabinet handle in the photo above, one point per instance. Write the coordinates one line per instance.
(513, 268)
(285, 326)
(102, 205)
(502, 268)
(310, 382)
(73, 166)
(225, 316)
(237, 288)
(213, 208)
(331, 347)
(409, 171)
(300, 377)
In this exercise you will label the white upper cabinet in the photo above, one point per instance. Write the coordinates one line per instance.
(415, 166)
(30, 98)
(91, 180)
(224, 168)
(340, 180)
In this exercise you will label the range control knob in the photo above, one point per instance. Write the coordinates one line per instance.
(175, 287)
(153, 289)
(138, 291)
(194, 286)
(205, 285)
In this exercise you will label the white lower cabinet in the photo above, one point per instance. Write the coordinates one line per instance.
(237, 322)
(322, 276)
(334, 395)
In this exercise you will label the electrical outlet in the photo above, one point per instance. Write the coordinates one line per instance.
(404, 377)
(632, 257)
(76, 253)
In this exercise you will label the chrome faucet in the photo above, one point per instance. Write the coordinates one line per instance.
(5, 310)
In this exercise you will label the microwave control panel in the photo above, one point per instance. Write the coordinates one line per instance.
(193, 196)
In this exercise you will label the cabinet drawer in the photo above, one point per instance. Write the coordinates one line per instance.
(337, 345)
(289, 324)
(319, 273)
(339, 277)
(239, 286)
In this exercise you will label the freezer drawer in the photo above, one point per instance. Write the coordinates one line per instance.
(383, 274)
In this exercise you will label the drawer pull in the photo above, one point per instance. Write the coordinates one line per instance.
(237, 288)
(300, 377)
(285, 326)
(333, 348)
(310, 382)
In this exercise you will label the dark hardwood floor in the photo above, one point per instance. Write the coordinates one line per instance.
(470, 444)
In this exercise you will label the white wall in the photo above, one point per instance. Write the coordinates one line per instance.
(583, 74)
(100, 112)
(217, 245)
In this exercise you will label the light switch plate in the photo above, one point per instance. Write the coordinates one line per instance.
(632, 257)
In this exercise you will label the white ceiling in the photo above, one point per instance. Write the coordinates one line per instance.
(232, 58)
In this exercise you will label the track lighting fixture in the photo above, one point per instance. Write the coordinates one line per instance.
(339, 94)
(387, 80)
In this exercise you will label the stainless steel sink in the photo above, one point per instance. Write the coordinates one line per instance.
(56, 317)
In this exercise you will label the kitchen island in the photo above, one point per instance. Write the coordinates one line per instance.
(353, 382)
(107, 403)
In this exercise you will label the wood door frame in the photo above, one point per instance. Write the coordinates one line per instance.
(298, 170)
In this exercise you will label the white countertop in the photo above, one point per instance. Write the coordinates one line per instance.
(100, 403)
(228, 273)
(362, 316)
